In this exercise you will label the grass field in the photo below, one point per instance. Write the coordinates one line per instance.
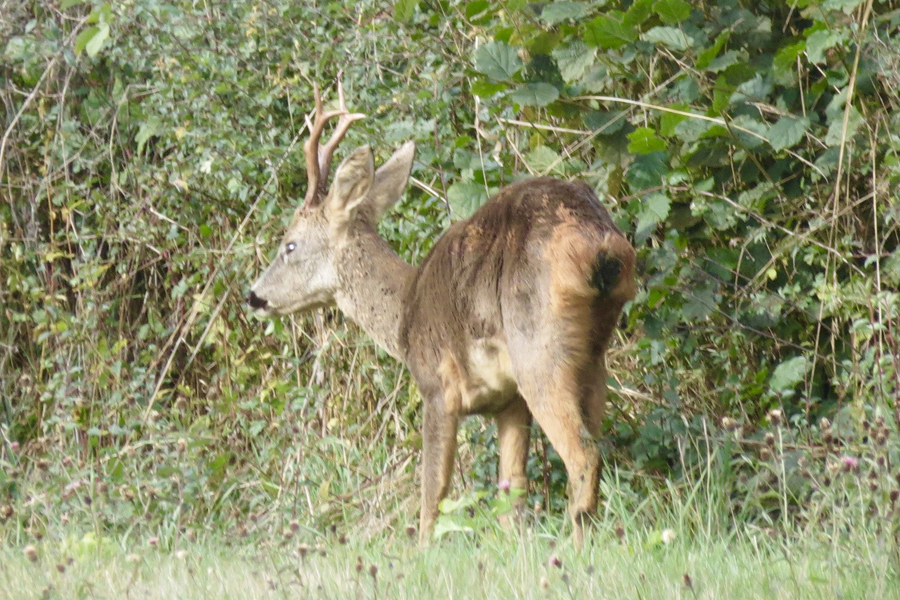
(684, 544)
(493, 564)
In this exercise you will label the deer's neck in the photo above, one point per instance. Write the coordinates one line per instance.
(374, 283)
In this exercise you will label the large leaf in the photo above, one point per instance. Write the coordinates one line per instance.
(788, 374)
(644, 140)
(542, 158)
(404, 9)
(94, 45)
(647, 171)
(497, 60)
(560, 11)
(820, 42)
(573, 59)
(835, 135)
(638, 13)
(672, 12)
(787, 132)
(607, 32)
(465, 198)
(672, 37)
(534, 94)
(655, 209)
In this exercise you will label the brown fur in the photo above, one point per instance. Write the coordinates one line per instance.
(509, 315)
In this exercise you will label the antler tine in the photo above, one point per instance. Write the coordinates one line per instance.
(318, 161)
(346, 119)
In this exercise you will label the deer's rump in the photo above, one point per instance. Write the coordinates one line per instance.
(540, 271)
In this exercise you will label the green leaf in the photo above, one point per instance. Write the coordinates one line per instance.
(819, 42)
(606, 32)
(560, 11)
(404, 9)
(672, 12)
(534, 94)
(835, 135)
(486, 89)
(542, 158)
(94, 45)
(748, 140)
(647, 171)
(655, 209)
(672, 37)
(446, 524)
(668, 121)
(710, 53)
(605, 122)
(787, 132)
(845, 6)
(788, 374)
(638, 13)
(497, 60)
(465, 198)
(476, 7)
(148, 129)
(573, 59)
(84, 37)
(784, 65)
(644, 140)
(66, 4)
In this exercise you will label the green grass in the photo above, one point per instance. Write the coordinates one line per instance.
(492, 564)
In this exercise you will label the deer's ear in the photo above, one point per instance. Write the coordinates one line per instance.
(390, 181)
(352, 183)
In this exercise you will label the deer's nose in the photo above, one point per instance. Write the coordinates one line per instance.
(255, 301)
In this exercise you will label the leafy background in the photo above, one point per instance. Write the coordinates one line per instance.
(151, 157)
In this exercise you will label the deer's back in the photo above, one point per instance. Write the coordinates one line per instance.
(540, 253)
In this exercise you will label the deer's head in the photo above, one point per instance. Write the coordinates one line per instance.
(303, 274)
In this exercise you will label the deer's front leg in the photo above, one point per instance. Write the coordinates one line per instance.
(438, 452)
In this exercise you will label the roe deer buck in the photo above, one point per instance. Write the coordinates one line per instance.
(510, 314)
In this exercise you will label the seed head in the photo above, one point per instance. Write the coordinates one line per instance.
(555, 561)
(849, 462)
(544, 583)
(31, 553)
(770, 439)
(775, 416)
(373, 571)
(668, 536)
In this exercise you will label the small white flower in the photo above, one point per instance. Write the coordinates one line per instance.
(668, 536)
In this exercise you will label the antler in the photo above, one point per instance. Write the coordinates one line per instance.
(318, 160)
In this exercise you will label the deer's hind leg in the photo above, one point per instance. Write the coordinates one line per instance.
(548, 375)
(513, 435)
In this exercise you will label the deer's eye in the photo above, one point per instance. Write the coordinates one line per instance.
(290, 247)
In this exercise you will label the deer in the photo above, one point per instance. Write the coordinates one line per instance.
(509, 315)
